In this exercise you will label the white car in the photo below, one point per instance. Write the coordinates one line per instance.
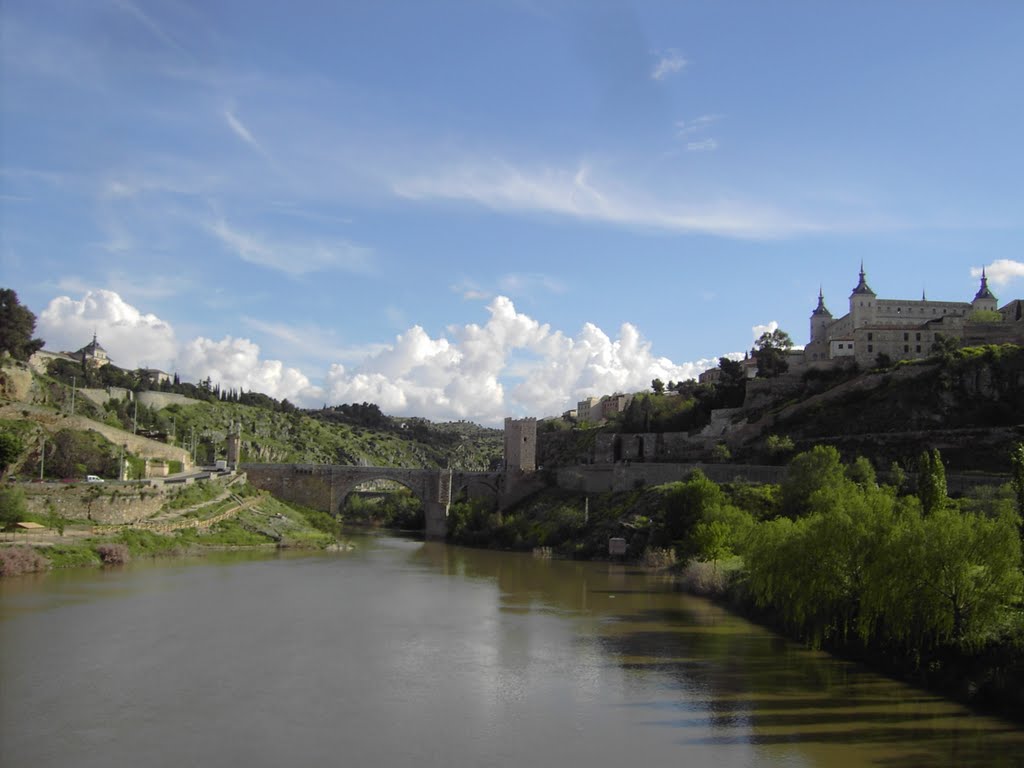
(93, 479)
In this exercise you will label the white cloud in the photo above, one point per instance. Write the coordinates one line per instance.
(239, 129)
(292, 258)
(503, 187)
(510, 365)
(529, 283)
(236, 363)
(312, 341)
(131, 338)
(669, 63)
(1001, 271)
(759, 330)
(706, 145)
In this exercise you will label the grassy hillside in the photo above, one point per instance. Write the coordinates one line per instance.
(271, 431)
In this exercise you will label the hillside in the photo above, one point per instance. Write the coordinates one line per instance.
(968, 403)
(32, 404)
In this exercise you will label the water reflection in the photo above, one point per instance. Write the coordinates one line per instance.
(409, 653)
(735, 683)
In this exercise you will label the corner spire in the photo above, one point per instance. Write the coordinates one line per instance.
(821, 309)
(862, 284)
(984, 292)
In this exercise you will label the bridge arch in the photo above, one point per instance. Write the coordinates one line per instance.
(325, 486)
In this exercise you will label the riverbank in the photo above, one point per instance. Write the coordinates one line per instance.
(242, 519)
(842, 565)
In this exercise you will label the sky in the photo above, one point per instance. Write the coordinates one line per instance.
(476, 209)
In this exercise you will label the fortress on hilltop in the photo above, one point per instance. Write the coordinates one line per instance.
(903, 329)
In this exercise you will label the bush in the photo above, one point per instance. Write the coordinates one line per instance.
(14, 561)
(113, 554)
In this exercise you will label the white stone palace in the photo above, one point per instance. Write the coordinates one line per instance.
(904, 329)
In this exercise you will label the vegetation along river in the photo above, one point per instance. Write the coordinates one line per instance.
(403, 653)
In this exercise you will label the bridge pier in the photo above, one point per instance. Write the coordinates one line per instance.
(436, 514)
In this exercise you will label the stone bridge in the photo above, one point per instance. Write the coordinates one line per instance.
(326, 486)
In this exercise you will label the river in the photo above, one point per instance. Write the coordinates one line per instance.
(404, 653)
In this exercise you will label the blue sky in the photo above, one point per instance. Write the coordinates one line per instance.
(490, 208)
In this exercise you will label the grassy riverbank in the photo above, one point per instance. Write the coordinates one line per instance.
(250, 519)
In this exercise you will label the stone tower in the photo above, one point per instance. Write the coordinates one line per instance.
(821, 319)
(234, 450)
(862, 302)
(984, 300)
(520, 445)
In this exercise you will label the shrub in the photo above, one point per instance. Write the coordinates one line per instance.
(113, 554)
(14, 561)
(706, 579)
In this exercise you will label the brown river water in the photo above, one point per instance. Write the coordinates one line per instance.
(404, 653)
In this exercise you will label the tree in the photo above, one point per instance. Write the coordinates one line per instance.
(771, 348)
(55, 521)
(1017, 480)
(10, 449)
(658, 387)
(809, 472)
(12, 507)
(17, 324)
(931, 482)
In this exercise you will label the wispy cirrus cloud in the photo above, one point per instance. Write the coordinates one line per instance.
(292, 258)
(519, 283)
(669, 63)
(1001, 271)
(312, 341)
(241, 131)
(692, 131)
(503, 187)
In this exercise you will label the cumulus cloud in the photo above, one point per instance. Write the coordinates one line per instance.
(1001, 271)
(760, 330)
(236, 363)
(510, 365)
(131, 338)
(669, 63)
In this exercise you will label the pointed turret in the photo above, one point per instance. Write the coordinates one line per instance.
(821, 309)
(985, 299)
(862, 289)
(862, 302)
(821, 319)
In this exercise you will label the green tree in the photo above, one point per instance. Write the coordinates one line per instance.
(931, 481)
(10, 449)
(947, 577)
(658, 387)
(12, 507)
(17, 324)
(55, 521)
(861, 472)
(809, 472)
(1017, 479)
(771, 348)
(712, 540)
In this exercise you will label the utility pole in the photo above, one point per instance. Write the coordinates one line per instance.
(121, 474)
(135, 418)
(73, 395)
(42, 455)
